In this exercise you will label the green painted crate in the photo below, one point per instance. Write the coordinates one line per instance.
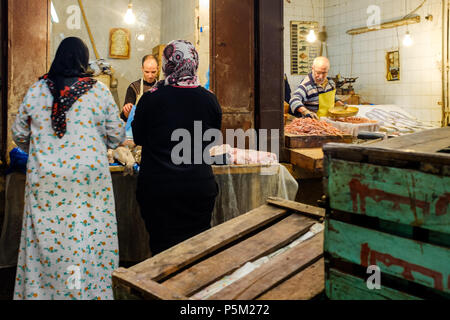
(389, 206)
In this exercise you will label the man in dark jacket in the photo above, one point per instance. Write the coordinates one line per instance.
(137, 88)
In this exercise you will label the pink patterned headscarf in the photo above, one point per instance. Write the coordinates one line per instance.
(180, 64)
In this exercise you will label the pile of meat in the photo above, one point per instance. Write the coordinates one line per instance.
(127, 155)
(243, 156)
(355, 120)
(311, 127)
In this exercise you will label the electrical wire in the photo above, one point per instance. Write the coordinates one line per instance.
(351, 59)
(415, 10)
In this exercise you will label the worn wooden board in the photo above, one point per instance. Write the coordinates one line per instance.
(428, 141)
(230, 169)
(407, 259)
(274, 272)
(296, 141)
(304, 209)
(147, 288)
(304, 285)
(343, 286)
(116, 168)
(310, 159)
(193, 249)
(403, 196)
(225, 262)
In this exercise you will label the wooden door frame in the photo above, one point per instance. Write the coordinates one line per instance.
(264, 94)
(4, 81)
(269, 69)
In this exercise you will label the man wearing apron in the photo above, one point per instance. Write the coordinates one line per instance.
(137, 88)
(316, 93)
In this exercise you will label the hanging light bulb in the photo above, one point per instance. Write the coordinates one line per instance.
(129, 16)
(141, 37)
(407, 40)
(311, 36)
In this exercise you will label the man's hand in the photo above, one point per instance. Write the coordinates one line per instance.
(306, 113)
(127, 109)
(339, 103)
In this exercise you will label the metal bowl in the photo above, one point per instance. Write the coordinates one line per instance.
(342, 111)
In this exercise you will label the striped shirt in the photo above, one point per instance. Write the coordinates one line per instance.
(307, 94)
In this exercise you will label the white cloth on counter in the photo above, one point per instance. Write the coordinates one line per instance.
(353, 128)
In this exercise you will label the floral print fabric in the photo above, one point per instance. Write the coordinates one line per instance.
(68, 247)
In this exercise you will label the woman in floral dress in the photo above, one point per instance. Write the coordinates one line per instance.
(69, 246)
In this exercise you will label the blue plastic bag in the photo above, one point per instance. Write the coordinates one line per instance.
(128, 130)
(207, 80)
(18, 161)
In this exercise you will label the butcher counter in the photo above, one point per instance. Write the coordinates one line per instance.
(242, 188)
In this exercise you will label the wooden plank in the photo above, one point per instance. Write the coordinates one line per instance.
(265, 242)
(193, 249)
(391, 157)
(386, 25)
(229, 169)
(428, 141)
(246, 169)
(273, 272)
(411, 260)
(310, 211)
(305, 285)
(296, 141)
(116, 168)
(343, 286)
(148, 288)
(310, 159)
(400, 195)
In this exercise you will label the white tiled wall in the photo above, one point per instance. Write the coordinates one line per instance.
(178, 20)
(419, 89)
(102, 15)
(298, 10)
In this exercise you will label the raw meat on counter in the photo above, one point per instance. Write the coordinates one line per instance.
(124, 155)
(243, 156)
(310, 127)
(355, 120)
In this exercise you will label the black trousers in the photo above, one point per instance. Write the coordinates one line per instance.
(171, 220)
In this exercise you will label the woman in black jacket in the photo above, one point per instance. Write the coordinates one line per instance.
(176, 190)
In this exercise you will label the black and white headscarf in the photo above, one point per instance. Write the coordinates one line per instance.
(68, 79)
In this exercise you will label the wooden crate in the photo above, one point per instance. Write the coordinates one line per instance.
(389, 206)
(187, 268)
(295, 141)
(308, 159)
